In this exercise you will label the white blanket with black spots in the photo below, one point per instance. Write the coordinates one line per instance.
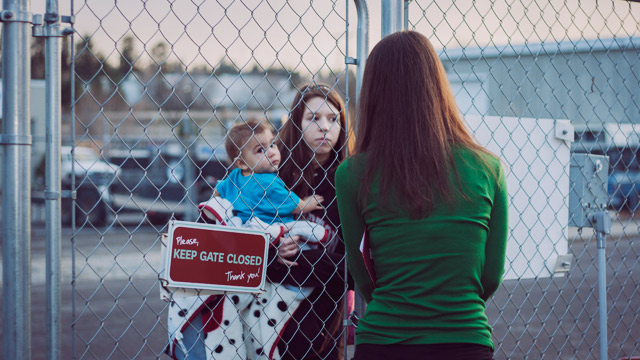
(242, 326)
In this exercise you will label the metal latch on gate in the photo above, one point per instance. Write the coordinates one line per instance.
(52, 27)
(70, 194)
(352, 320)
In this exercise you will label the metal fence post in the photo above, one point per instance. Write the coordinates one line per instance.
(406, 15)
(16, 175)
(602, 226)
(52, 176)
(362, 44)
(190, 176)
(391, 16)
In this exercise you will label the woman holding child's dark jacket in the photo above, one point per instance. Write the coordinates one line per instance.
(313, 143)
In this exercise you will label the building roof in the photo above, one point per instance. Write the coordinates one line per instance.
(541, 49)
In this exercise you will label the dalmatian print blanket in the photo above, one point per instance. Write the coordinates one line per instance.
(234, 325)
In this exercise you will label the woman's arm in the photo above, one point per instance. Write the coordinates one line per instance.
(353, 226)
(496, 248)
(287, 249)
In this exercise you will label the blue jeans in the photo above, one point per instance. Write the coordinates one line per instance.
(193, 341)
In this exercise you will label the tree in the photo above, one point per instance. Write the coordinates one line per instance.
(90, 65)
(128, 63)
(161, 56)
(226, 67)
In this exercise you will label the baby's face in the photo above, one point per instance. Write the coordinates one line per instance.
(259, 155)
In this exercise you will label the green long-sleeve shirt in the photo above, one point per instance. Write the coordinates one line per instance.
(434, 274)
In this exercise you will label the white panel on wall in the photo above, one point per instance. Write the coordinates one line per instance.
(537, 164)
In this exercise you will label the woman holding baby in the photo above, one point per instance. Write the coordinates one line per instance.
(280, 179)
(313, 143)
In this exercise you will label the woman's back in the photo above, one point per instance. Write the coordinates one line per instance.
(433, 274)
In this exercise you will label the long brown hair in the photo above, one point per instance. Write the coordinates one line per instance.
(408, 123)
(297, 167)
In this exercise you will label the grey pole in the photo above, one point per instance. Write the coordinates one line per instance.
(188, 139)
(362, 44)
(16, 176)
(391, 14)
(399, 15)
(406, 14)
(189, 179)
(602, 227)
(52, 177)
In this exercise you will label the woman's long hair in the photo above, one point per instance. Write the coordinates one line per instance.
(297, 167)
(408, 123)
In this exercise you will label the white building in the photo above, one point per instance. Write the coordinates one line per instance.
(585, 81)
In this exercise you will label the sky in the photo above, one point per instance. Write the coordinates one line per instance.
(311, 35)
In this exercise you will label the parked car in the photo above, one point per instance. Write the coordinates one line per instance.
(164, 182)
(93, 177)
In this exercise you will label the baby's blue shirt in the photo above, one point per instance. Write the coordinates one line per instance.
(262, 195)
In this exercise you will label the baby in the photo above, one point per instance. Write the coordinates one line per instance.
(258, 196)
(254, 188)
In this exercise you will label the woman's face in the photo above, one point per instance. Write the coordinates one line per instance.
(321, 128)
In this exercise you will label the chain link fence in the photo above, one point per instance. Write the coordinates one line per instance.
(155, 86)
(158, 85)
(571, 60)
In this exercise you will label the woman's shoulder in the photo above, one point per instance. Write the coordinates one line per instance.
(477, 155)
(352, 166)
(475, 161)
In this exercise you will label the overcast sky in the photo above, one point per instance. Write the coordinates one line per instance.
(310, 35)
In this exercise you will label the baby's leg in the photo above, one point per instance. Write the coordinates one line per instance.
(312, 232)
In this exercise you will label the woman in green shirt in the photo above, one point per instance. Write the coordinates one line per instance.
(433, 204)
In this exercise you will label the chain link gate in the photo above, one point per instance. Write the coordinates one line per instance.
(157, 86)
(571, 60)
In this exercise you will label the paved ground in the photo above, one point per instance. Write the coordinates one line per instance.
(119, 314)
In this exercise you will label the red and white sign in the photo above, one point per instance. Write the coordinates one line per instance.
(214, 257)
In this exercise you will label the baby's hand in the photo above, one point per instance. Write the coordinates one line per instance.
(311, 203)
